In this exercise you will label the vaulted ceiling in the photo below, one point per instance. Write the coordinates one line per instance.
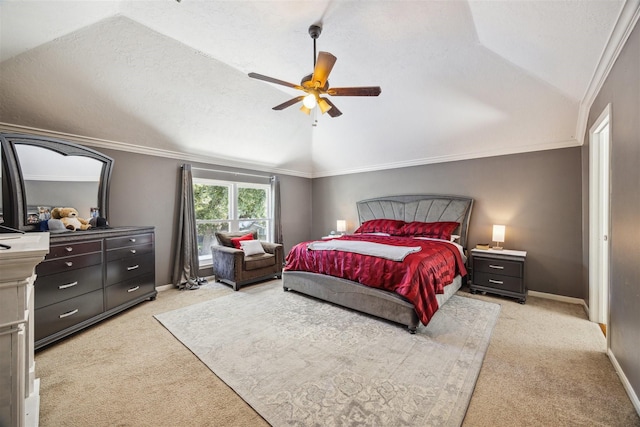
(459, 79)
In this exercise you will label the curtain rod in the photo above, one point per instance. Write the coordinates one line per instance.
(232, 173)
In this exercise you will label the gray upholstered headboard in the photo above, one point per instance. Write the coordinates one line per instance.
(420, 207)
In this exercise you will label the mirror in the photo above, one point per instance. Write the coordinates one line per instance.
(54, 180)
(43, 173)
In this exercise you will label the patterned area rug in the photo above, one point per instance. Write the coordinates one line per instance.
(298, 361)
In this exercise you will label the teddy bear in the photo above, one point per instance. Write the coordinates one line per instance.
(70, 219)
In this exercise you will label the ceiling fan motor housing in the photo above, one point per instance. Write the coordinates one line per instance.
(314, 31)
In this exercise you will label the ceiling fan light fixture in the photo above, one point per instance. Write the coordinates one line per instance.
(324, 105)
(305, 110)
(310, 101)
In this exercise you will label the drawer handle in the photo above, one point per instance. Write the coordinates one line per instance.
(496, 282)
(132, 240)
(133, 251)
(68, 313)
(68, 285)
(135, 288)
(68, 263)
(133, 267)
(497, 267)
(68, 249)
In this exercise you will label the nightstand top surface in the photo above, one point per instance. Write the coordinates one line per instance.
(503, 252)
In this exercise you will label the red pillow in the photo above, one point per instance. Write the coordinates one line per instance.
(236, 240)
(389, 226)
(435, 230)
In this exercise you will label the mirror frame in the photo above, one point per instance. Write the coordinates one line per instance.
(13, 188)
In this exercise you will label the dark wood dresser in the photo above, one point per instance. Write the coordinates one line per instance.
(91, 275)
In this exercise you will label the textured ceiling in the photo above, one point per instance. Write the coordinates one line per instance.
(460, 79)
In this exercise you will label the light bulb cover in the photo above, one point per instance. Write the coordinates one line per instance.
(324, 105)
(310, 101)
(341, 226)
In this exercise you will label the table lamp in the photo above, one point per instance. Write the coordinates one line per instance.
(498, 236)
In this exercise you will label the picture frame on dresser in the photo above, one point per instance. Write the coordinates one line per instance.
(88, 275)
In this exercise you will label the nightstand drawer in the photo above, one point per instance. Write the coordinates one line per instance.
(507, 283)
(498, 266)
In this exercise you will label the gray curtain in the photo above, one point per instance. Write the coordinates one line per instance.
(277, 220)
(186, 265)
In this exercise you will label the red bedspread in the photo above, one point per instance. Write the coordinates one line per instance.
(418, 278)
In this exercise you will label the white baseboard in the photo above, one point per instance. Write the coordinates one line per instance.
(625, 382)
(570, 300)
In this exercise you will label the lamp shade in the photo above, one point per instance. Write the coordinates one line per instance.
(498, 233)
(341, 226)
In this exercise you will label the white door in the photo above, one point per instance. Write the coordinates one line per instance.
(599, 225)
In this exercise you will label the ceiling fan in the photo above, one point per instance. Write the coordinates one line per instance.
(317, 84)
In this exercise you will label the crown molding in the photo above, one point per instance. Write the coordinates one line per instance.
(139, 149)
(132, 148)
(505, 151)
(627, 19)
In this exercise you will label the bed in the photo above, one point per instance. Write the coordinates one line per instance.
(377, 298)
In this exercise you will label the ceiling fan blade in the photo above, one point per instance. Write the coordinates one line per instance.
(272, 80)
(324, 65)
(333, 111)
(355, 91)
(289, 103)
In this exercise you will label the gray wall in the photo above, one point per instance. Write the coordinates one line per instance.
(622, 90)
(536, 195)
(144, 191)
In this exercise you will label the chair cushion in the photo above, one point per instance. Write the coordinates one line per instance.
(224, 237)
(251, 247)
(237, 241)
(254, 262)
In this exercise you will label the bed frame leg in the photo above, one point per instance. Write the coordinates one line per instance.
(412, 329)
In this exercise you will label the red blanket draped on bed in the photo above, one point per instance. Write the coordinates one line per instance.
(418, 278)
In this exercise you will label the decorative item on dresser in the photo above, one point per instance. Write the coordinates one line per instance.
(499, 272)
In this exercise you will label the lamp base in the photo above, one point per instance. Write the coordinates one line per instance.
(497, 248)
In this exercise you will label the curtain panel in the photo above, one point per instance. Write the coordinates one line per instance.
(186, 264)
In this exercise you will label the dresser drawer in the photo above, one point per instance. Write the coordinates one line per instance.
(135, 239)
(58, 251)
(498, 266)
(58, 287)
(120, 253)
(59, 265)
(128, 290)
(56, 317)
(128, 268)
(507, 283)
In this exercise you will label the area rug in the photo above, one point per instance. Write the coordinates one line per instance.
(302, 362)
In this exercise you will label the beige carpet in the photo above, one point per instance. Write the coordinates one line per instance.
(298, 361)
(545, 366)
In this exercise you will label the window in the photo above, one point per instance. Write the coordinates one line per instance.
(229, 206)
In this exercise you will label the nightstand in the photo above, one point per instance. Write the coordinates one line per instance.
(499, 272)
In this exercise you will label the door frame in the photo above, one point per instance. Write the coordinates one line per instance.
(599, 217)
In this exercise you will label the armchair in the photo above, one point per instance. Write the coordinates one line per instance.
(231, 266)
